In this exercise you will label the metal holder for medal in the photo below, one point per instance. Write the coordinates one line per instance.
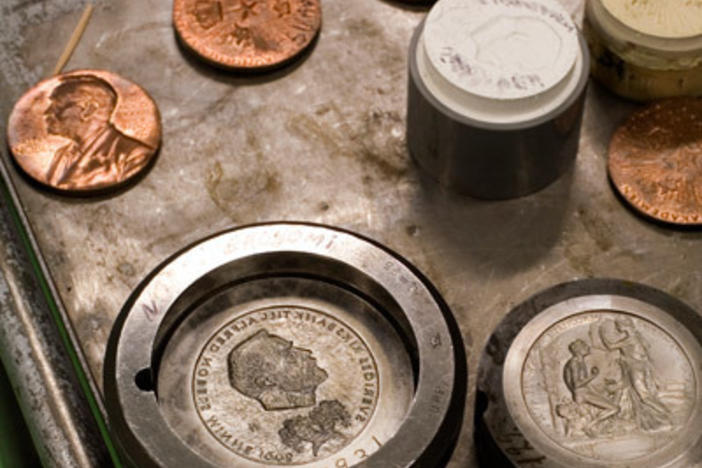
(592, 373)
(285, 344)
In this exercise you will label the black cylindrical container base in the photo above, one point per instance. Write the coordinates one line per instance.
(488, 160)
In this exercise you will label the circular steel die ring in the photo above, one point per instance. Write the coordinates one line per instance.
(165, 297)
(521, 346)
(534, 335)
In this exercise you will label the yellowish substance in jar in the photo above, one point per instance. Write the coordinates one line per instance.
(662, 18)
(646, 49)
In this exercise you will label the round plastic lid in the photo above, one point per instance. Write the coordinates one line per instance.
(501, 49)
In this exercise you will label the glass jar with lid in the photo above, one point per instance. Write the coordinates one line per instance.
(646, 50)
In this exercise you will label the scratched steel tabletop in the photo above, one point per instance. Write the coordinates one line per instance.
(322, 140)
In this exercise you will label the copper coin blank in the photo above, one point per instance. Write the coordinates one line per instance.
(655, 161)
(83, 131)
(247, 34)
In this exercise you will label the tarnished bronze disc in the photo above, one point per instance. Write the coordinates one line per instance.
(84, 131)
(655, 161)
(247, 34)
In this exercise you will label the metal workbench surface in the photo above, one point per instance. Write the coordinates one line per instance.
(321, 140)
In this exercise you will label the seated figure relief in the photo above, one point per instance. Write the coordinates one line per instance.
(626, 400)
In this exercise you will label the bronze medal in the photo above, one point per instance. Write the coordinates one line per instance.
(247, 34)
(84, 131)
(655, 161)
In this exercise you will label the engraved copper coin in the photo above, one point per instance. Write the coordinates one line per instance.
(247, 34)
(655, 161)
(83, 131)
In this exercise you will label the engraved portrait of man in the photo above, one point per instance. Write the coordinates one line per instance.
(80, 110)
(270, 369)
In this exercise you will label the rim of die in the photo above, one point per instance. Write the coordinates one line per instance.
(285, 344)
(594, 373)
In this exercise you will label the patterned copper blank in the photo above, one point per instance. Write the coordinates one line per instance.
(247, 34)
(655, 161)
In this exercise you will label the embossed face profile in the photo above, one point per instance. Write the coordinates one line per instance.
(579, 348)
(256, 383)
(271, 370)
(80, 106)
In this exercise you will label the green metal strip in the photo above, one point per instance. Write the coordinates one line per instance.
(72, 353)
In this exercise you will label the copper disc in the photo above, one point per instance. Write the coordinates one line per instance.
(655, 161)
(84, 131)
(247, 34)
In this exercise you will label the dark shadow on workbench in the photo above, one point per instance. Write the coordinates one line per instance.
(509, 236)
(16, 447)
(241, 77)
(411, 5)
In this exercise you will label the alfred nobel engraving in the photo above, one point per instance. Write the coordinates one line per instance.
(271, 370)
(84, 130)
(280, 376)
(609, 386)
(261, 393)
(80, 110)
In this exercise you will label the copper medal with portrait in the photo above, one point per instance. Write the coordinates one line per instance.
(84, 131)
(247, 34)
(655, 161)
